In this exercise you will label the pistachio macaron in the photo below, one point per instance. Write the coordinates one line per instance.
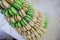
(6, 13)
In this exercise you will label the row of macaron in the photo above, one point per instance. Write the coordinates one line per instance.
(35, 31)
(8, 3)
(13, 15)
(25, 21)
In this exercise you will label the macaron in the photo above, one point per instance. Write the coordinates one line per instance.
(13, 10)
(19, 24)
(34, 19)
(6, 13)
(27, 19)
(31, 23)
(28, 27)
(10, 1)
(16, 25)
(18, 17)
(10, 12)
(5, 5)
(22, 13)
(23, 22)
(8, 19)
(30, 14)
(13, 20)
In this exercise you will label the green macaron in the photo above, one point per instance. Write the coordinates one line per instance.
(6, 13)
(19, 25)
(30, 14)
(16, 5)
(23, 22)
(13, 10)
(27, 19)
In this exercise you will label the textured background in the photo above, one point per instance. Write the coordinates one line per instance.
(52, 10)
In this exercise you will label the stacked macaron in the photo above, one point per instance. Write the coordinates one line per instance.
(22, 16)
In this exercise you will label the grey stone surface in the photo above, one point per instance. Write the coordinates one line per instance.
(52, 10)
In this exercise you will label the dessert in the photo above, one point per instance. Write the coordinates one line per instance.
(24, 18)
